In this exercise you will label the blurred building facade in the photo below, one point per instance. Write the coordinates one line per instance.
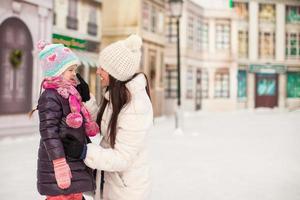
(146, 18)
(268, 53)
(22, 24)
(208, 44)
(77, 24)
(233, 60)
(230, 59)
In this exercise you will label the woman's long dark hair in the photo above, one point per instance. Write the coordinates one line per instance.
(119, 97)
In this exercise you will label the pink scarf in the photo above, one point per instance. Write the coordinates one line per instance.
(68, 91)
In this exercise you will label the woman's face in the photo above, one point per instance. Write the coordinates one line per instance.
(70, 73)
(104, 77)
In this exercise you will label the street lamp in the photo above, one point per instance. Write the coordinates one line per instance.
(175, 7)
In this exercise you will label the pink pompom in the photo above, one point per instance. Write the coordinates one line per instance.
(91, 129)
(41, 44)
(74, 120)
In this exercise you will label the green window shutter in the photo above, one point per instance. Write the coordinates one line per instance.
(293, 84)
(242, 84)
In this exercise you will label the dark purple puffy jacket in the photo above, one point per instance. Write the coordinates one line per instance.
(53, 110)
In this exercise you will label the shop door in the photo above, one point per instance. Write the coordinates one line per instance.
(266, 94)
(198, 90)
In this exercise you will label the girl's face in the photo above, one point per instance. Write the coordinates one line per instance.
(104, 77)
(70, 73)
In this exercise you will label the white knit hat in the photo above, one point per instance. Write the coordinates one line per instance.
(122, 58)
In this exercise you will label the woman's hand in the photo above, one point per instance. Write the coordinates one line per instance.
(83, 89)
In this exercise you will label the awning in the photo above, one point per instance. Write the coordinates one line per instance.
(87, 58)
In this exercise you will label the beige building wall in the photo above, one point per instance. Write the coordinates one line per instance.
(124, 17)
(207, 60)
(89, 59)
(280, 27)
(84, 8)
(37, 16)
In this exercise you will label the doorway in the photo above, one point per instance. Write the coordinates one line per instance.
(266, 90)
(16, 63)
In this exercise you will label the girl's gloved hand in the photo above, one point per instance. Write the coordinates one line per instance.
(62, 173)
(83, 89)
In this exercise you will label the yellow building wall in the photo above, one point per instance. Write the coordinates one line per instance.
(120, 18)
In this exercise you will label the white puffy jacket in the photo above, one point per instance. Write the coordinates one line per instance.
(127, 173)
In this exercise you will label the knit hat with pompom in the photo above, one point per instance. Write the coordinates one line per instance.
(122, 58)
(55, 58)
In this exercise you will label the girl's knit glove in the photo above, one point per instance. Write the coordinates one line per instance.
(62, 173)
(83, 89)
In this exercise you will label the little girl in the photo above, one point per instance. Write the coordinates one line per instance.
(62, 115)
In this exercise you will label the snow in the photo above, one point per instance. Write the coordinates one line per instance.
(241, 155)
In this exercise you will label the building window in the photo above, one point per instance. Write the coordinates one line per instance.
(293, 14)
(204, 83)
(222, 83)
(146, 16)
(198, 33)
(171, 30)
(189, 83)
(160, 22)
(161, 80)
(92, 24)
(204, 36)
(242, 10)
(54, 18)
(267, 13)
(242, 84)
(222, 36)
(153, 19)
(201, 34)
(267, 44)
(171, 82)
(292, 45)
(190, 32)
(152, 68)
(243, 44)
(293, 84)
(142, 59)
(72, 21)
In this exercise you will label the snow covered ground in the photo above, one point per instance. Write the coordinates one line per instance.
(244, 155)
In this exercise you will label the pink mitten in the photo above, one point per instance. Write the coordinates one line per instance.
(62, 173)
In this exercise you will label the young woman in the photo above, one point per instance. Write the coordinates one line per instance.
(125, 116)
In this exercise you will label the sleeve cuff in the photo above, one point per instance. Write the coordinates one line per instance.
(93, 152)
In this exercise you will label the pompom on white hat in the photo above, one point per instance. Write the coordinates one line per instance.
(121, 59)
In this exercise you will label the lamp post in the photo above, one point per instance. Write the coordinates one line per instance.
(175, 12)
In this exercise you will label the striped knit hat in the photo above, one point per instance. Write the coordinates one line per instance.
(55, 58)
